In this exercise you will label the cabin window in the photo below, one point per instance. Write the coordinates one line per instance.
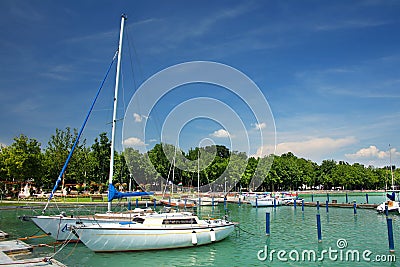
(179, 221)
(138, 220)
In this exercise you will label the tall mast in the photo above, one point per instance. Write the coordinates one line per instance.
(391, 169)
(121, 33)
(198, 173)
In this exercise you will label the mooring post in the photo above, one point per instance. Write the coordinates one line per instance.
(274, 203)
(319, 228)
(355, 208)
(256, 202)
(312, 197)
(386, 210)
(294, 203)
(347, 198)
(390, 234)
(327, 197)
(318, 205)
(225, 203)
(327, 206)
(302, 205)
(239, 201)
(137, 203)
(366, 197)
(267, 223)
(154, 203)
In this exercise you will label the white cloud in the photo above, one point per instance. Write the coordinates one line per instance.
(312, 149)
(138, 117)
(372, 152)
(134, 142)
(220, 133)
(259, 126)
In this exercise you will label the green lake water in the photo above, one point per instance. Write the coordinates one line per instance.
(293, 233)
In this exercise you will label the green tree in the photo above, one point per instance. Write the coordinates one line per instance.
(56, 154)
(22, 160)
(99, 159)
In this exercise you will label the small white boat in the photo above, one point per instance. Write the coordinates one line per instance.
(391, 204)
(206, 201)
(265, 201)
(154, 231)
(178, 202)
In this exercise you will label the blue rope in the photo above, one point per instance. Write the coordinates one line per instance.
(80, 132)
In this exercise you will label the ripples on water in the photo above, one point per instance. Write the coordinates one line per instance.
(291, 229)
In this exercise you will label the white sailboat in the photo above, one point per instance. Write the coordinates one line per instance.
(265, 201)
(58, 226)
(175, 202)
(391, 204)
(153, 232)
(205, 200)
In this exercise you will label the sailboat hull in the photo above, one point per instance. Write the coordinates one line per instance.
(58, 226)
(135, 238)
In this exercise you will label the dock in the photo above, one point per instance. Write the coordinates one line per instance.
(338, 205)
(11, 252)
(3, 235)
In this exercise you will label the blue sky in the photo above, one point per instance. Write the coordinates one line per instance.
(329, 70)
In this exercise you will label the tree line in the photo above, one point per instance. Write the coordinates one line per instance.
(24, 160)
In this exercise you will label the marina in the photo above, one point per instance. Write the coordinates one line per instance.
(290, 228)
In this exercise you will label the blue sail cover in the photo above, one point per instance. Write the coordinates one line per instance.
(114, 193)
(392, 196)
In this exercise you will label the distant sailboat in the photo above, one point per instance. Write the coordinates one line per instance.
(391, 205)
